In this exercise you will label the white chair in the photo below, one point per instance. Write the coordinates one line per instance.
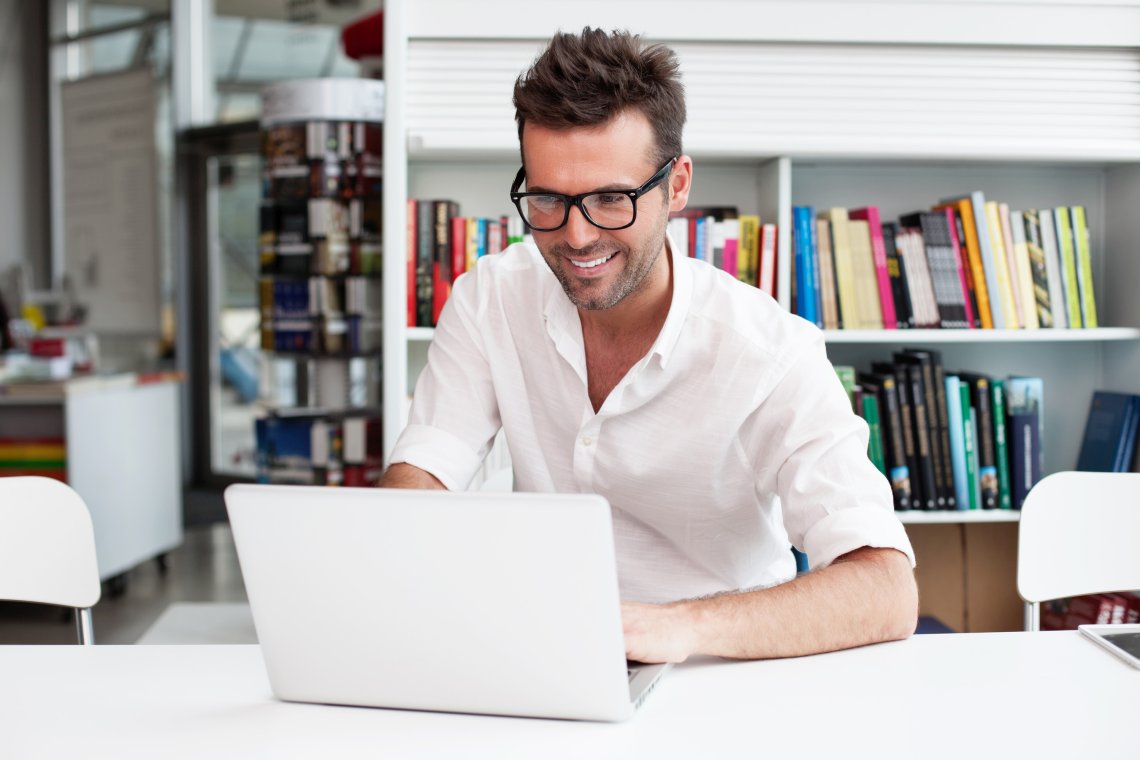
(1079, 534)
(47, 548)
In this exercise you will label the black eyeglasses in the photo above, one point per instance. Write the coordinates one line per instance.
(607, 209)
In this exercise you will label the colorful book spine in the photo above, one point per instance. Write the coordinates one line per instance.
(970, 444)
(1084, 266)
(767, 279)
(1058, 303)
(879, 259)
(1010, 259)
(989, 260)
(828, 306)
(1068, 265)
(957, 441)
(844, 270)
(806, 294)
(866, 285)
(1024, 271)
(748, 249)
(1038, 269)
(970, 239)
(962, 268)
(1001, 266)
(1001, 449)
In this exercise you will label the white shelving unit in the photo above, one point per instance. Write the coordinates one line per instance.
(824, 103)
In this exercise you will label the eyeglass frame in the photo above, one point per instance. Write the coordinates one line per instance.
(569, 201)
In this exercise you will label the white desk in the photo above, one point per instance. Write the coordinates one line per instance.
(1045, 695)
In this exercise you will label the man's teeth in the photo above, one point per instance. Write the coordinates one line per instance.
(591, 264)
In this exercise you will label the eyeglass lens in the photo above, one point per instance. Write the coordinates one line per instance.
(603, 209)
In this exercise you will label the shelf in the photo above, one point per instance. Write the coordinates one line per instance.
(924, 337)
(914, 517)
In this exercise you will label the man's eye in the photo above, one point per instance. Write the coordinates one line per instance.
(611, 199)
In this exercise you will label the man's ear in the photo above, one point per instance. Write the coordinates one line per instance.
(680, 183)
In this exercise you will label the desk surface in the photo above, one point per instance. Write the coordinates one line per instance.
(967, 695)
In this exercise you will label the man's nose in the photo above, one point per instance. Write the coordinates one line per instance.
(579, 232)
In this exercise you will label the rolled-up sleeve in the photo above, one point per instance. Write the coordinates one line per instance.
(454, 414)
(811, 449)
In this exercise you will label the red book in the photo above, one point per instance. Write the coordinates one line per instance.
(364, 38)
(879, 255)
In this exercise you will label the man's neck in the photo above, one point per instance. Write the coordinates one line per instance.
(642, 312)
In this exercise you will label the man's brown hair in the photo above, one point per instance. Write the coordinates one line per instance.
(586, 79)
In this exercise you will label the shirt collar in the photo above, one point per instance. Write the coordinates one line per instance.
(562, 319)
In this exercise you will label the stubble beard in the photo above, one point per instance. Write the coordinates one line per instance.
(634, 275)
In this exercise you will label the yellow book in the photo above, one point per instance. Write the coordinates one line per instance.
(1001, 268)
(1084, 265)
(748, 249)
(866, 284)
(1068, 265)
(844, 272)
(19, 450)
(472, 252)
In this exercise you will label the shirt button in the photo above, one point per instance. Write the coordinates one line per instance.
(587, 440)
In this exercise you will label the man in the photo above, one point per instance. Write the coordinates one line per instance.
(708, 417)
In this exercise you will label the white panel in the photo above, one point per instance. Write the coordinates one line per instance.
(123, 459)
(996, 22)
(754, 99)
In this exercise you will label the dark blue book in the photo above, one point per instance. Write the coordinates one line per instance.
(1107, 430)
(1024, 442)
(1128, 445)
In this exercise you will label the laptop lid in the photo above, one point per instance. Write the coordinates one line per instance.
(453, 601)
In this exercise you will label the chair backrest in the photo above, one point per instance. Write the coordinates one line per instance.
(47, 547)
(1079, 534)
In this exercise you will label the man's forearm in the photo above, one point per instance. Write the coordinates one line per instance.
(864, 597)
(403, 475)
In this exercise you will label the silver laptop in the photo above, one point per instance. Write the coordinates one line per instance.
(492, 603)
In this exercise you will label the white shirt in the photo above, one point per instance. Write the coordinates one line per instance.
(731, 438)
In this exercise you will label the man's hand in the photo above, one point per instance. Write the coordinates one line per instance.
(657, 632)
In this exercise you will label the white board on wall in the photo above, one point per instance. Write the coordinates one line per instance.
(110, 200)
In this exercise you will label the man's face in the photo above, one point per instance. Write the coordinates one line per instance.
(599, 268)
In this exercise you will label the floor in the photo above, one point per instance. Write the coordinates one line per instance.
(203, 569)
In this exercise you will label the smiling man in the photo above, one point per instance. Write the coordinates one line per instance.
(708, 417)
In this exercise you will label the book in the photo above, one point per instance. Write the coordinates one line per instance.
(879, 259)
(847, 378)
(844, 269)
(1058, 301)
(1039, 273)
(987, 461)
(1028, 298)
(982, 237)
(1001, 450)
(890, 422)
(957, 441)
(867, 407)
(904, 312)
(906, 429)
(1005, 297)
(863, 265)
(965, 281)
(1110, 433)
(912, 249)
(828, 304)
(942, 262)
(921, 422)
(802, 240)
(933, 388)
(964, 212)
(1084, 266)
(1068, 266)
(970, 445)
(1011, 261)
(767, 279)
(1025, 434)
(748, 249)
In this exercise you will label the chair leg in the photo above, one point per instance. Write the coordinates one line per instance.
(83, 626)
(1033, 616)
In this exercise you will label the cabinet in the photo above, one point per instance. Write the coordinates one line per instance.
(828, 103)
(122, 453)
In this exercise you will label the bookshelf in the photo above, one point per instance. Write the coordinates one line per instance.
(1037, 103)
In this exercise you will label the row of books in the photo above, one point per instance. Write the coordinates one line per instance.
(314, 449)
(967, 263)
(443, 245)
(46, 457)
(321, 315)
(954, 441)
(1100, 609)
(737, 243)
(321, 236)
(333, 159)
(1109, 441)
